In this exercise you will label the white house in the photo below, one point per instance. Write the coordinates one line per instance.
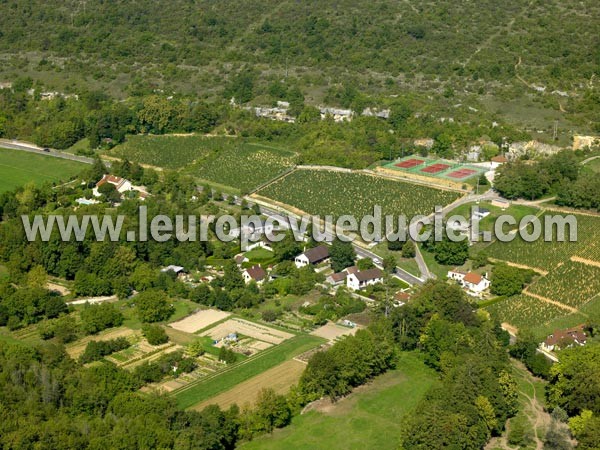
(254, 273)
(362, 279)
(456, 275)
(121, 184)
(313, 255)
(480, 213)
(475, 283)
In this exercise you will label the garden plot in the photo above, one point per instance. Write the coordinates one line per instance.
(279, 378)
(246, 328)
(136, 352)
(332, 331)
(76, 348)
(199, 320)
(207, 365)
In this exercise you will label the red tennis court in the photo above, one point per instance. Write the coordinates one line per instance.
(462, 173)
(409, 163)
(435, 168)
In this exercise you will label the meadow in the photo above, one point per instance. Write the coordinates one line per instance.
(328, 192)
(18, 168)
(367, 418)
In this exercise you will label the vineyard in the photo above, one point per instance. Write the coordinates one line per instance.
(244, 166)
(170, 152)
(336, 193)
(547, 255)
(573, 284)
(525, 312)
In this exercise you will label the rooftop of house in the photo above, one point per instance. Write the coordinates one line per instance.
(369, 274)
(257, 273)
(473, 278)
(316, 254)
(340, 276)
(575, 334)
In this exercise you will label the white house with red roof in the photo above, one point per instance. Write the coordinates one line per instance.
(122, 185)
(474, 283)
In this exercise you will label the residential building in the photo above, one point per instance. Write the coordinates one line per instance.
(255, 273)
(561, 339)
(313, 256)
(363, 278)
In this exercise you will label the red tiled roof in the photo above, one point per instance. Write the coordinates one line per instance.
(473, 278)
(575, 334)
(499, 159)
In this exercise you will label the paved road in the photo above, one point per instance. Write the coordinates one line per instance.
(31, 148)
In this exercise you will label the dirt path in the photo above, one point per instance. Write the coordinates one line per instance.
(553, 302)
(585, 261)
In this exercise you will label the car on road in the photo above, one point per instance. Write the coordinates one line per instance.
(46, 149)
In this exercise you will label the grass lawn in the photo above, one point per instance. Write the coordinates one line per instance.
(3, 273)
(487, 223)
(18, 168)
(440, 270)
(408, 264)
(368, 418)
(233, 375)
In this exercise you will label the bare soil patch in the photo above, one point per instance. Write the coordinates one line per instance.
(199, 320)
(279, 378)
(246, 328)
(332, 331)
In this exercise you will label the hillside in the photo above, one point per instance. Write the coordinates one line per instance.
(496, 51)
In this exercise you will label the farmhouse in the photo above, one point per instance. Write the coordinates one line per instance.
(255, 273)
(121, 184)
(474, 283)
(565, 339)
(362, 279)
(313, 255)
(456, 275)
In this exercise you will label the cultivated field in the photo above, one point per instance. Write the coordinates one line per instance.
(231, 376)
(246, 328)
(332, 331)
(18, 168)
(325, 192)
(280, 378)
(526, 312)
(572, 283)
(76, 348)
(547, 255)
(244, 166)
(199, 320)
(225, 161)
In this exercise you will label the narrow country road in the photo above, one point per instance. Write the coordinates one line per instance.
(31, 148)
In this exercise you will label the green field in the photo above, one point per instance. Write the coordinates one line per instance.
(326, 192)
(370, 418)
(223, 381)
(18, 168)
